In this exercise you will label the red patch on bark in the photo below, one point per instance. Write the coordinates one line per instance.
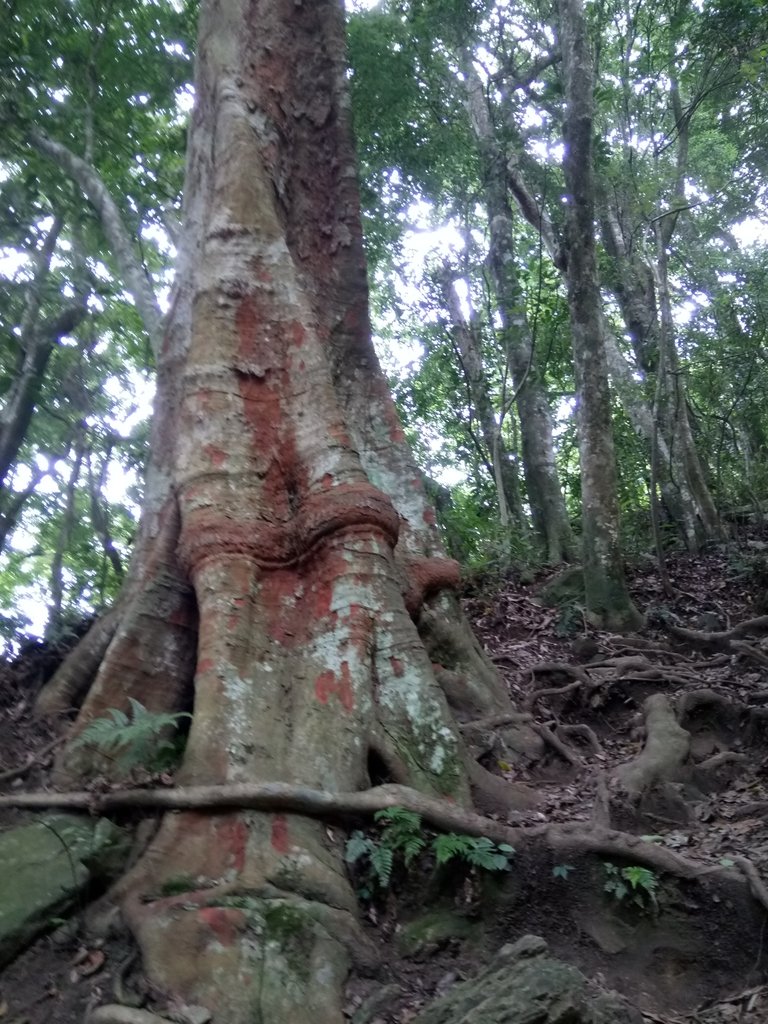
(205, 665)
(279, 599)
(327, 685)
(247, 324)
(298, 334)
(232, 835)
(338, 432)
(279, 837)
(216, 455)
(327, 481)
(429, 517)
(397, 667)
(226, 923)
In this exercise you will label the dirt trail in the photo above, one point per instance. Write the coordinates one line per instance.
(662, 735)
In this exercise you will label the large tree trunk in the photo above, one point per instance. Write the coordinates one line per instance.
(287, 559)
(607, 598)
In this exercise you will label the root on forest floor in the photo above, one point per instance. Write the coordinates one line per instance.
(284, 797)
(727, 640)
(114, 1013)
(665, 751)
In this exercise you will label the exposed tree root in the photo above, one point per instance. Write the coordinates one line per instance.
(756, 884)
(657, 675)
(563, 749)
(750, 627)
(283, 797)
(113, 1013)
(748, 651)
(601, 811)
(66, 690)
(754, 809)
(550, 667)
(694, 700)
(666, 749)
(556, 691)
(496, 721)
(727, 640)
(579, 729)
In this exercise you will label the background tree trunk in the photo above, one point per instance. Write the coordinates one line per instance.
(550, 516)
(607, 597)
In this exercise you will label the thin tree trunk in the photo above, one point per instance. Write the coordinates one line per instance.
(687, 471)
(37, 340)
(607, 598)
(468, 345)
(635, 302)
(63, 538)
(88, 180)
(550, 517)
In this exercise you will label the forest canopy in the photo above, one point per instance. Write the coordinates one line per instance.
(458, 115)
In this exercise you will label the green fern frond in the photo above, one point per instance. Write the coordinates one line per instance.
(381, 862)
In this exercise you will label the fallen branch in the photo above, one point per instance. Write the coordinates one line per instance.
(439, 814)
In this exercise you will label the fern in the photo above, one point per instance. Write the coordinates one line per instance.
(480, 852)
(449, 845)
(639, 883)
(402, 836)
(402, 832)
(382, 859)
(133, 740)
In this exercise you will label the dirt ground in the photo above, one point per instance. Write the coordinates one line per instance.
(697, 955)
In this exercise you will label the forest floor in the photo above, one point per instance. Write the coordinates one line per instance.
(686, 952)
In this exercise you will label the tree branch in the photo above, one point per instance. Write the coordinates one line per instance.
(87, 178)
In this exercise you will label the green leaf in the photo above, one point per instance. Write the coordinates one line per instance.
(562, 870)
(358, 845)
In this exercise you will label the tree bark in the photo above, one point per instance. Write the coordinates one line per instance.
(607, 597)
(287, 553)
(502, 468)
(550, 517)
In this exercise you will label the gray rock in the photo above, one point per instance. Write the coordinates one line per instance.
(525, 985)
(45, 866)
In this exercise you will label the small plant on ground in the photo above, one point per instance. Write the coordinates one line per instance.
(403, 836)
(633, 883)
(562, 871)
(134, 740)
